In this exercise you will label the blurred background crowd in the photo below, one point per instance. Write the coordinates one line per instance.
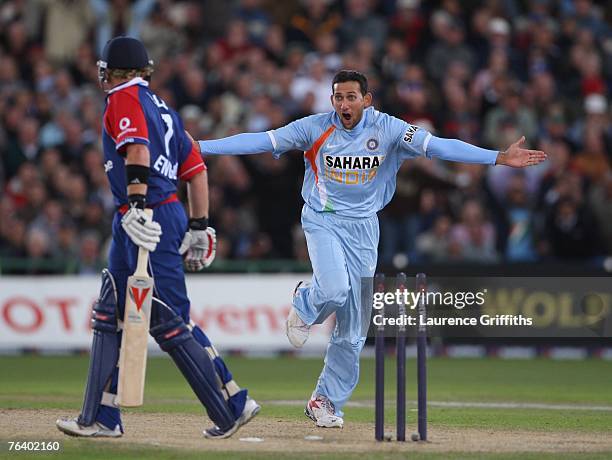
(485, 72)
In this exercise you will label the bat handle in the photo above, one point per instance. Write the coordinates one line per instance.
(143, 254)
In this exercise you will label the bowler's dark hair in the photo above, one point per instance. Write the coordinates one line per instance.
(352, 75)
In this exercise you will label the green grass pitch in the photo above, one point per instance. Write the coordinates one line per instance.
(282, 384)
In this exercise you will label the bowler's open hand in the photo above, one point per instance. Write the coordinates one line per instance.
(518, 157)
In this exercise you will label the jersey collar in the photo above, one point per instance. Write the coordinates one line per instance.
(358, 127)
(134, 81)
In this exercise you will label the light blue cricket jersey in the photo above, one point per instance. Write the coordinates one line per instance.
(351, 172)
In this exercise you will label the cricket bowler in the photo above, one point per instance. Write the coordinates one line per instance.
(146, 153)
(351, 158)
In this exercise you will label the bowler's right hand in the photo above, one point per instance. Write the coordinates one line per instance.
(141, 228)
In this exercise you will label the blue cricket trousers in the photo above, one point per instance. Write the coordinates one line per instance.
(342, 250)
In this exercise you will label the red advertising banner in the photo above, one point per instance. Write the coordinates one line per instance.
(238, 312)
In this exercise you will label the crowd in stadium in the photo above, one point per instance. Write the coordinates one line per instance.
(485, 72)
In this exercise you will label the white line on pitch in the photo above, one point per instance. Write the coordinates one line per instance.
(458, 404)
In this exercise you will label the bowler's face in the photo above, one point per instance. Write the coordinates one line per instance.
(349, 103)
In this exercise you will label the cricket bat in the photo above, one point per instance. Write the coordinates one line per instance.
(136, 320)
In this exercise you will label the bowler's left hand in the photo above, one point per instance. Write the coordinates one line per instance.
(518, 157)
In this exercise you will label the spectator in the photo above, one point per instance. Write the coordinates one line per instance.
(545, 53)
(509, 119)
(18, 46)
(361, 22)
(600, 198)
(414, 96)
(256, 19)
(474, 236)
(12, 237)
(572, 231)
(554, 125)
(541, 93)
(558, 162)
(25, 147)
(595, 116)
(316, 18)
(37, 244)
(318, 82)
(274, 45)
(395, 60)
(433, 246)
(50, 219)
(451, 48)
(67, 24)
(191, 88)
(409, 24)
(18, 186)
(519, 215)
(498, 35)
(412, 210)
(484, 91)
(326, 47)
(67, 241)
(457, 120)
(235, 45)
(592, 162)
(36, 198)
(90, 262)
(159, 34)
(483, 74)
(587, 16)
(119, 17)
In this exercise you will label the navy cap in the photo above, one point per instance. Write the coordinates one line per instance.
(125, 53)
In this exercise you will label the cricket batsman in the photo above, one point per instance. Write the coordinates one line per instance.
(146, 153)
(351, 156)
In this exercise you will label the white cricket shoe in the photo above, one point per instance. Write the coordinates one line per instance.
(251, 409)
(71, 427)
(297, 330)
(321, 410)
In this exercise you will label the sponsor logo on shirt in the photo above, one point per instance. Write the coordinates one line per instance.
(350, 162)
(410, 133)
(351, 170)
(124, 126)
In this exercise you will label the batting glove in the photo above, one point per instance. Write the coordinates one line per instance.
(141, 228)
(199, 244)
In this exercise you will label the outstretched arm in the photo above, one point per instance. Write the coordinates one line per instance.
(456, 150)
(296, 135)
(240, 144)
